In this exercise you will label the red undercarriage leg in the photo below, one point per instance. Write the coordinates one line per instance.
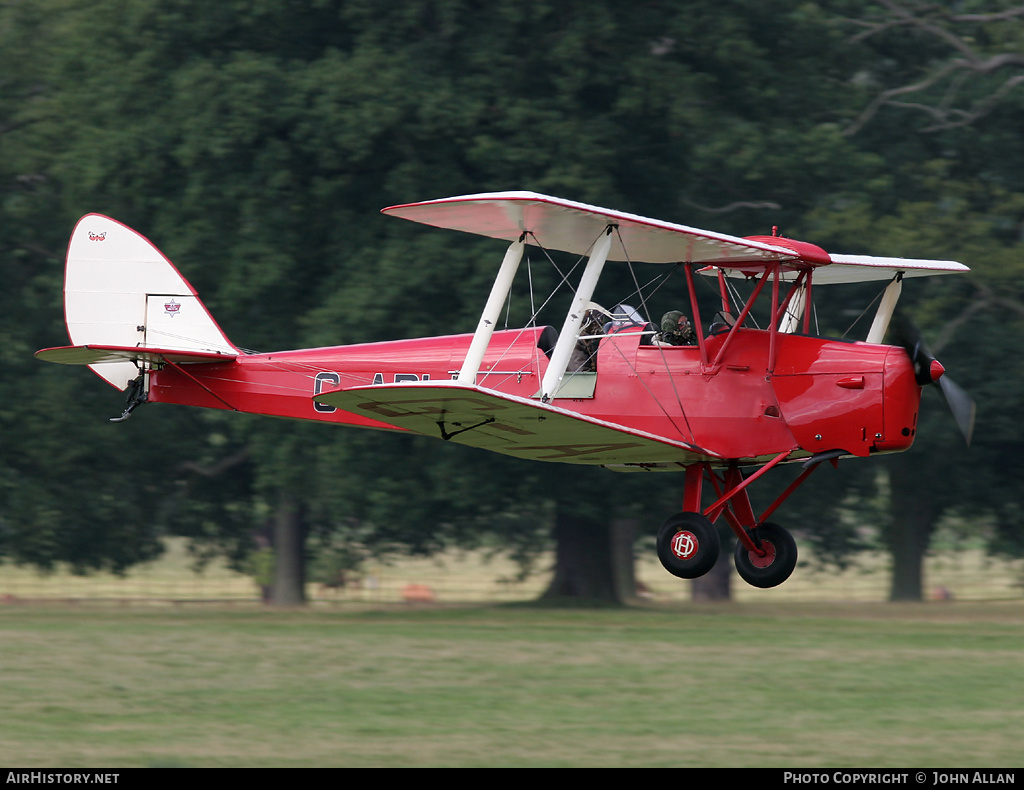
(733, 500)
(734, 505)
(693, 486)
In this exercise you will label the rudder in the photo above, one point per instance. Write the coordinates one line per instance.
(120, 290)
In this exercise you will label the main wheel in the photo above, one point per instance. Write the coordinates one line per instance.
(688, 545)
(777, 562)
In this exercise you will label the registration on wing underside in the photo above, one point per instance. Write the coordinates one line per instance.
(483, 418)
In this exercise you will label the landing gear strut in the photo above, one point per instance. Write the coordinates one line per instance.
(766, 554)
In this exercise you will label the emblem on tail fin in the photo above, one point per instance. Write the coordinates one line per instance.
(172, 308)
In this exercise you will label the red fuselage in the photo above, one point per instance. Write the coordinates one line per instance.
(823, 395)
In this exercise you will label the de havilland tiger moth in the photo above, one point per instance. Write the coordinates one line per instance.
(715, 397)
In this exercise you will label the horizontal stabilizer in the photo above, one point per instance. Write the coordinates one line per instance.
(98, 355)
(507, 424)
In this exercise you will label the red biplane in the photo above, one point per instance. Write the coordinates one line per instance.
(722, 402)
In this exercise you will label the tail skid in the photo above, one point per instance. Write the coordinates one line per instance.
(126, 306)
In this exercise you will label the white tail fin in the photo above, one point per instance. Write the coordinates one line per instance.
(120, 290)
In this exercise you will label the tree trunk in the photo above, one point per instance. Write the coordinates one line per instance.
(623, 536)
(716, 584)
(584, 565)
(289, 586)
(909, 533)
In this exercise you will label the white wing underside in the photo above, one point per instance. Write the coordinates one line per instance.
(566, 225)
(868, 268)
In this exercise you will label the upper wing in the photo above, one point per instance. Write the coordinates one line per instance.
(573, 227)
(565, 225)
(510, 425)
(862, 268)
(856, 269)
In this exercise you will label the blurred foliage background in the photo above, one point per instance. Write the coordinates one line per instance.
(256, 140)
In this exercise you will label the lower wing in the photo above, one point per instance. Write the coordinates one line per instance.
(510, 425)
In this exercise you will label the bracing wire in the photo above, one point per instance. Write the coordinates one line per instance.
(863, 312)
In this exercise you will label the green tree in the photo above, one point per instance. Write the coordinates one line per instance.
(943, 98)
(254, 142)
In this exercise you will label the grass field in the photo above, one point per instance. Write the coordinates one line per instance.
(739, 684)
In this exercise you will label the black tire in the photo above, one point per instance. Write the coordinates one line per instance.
(688, 545)
(772, 569)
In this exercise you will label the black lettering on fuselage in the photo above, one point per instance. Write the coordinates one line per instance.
(332, 380)
(378, 378)
(318, 386)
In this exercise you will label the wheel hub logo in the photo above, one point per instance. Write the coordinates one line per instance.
(684, 545)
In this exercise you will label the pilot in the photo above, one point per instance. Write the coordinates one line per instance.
(584, 354)
(676, 329)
